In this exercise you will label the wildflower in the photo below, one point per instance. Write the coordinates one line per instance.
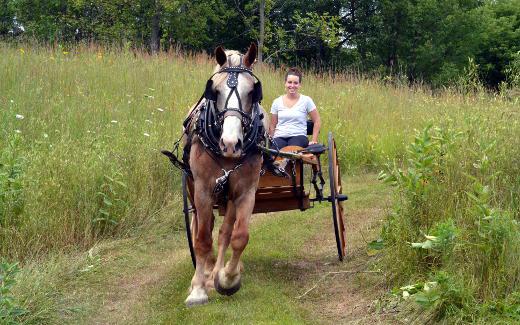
(129, 102)
(20, 116)
(17, 131)
(146, 134)
(45, 135)
(65, 52)
(12, 101)
(113, 122)
(160, 109)
(148, 121)
(22, 51)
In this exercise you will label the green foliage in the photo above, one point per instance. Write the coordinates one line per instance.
(6, 17)
(95, 119)
(469, 81)
(441, 240)
(112, 202)
(11, 182)
(10, 312)
(447, 228)
(422, 40)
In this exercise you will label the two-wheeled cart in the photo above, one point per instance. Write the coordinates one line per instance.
(277, 193)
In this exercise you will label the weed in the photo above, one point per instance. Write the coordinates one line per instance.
(11, 183)
(10, 312)
(112, 203)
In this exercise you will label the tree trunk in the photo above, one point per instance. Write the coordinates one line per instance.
(262, 32)
(155, 37)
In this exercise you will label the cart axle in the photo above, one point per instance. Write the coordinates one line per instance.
(339, 197)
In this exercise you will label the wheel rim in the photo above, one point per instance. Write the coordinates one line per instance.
(335, 189)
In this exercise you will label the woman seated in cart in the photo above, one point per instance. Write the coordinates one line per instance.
(289, 112)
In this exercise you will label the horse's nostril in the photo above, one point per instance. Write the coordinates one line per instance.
(238, 146)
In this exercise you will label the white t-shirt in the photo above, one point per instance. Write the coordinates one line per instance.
(292, 121)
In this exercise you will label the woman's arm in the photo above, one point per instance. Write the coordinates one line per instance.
(272, 124)
(315, 117)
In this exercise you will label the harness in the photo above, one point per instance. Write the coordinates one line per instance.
(208, 120)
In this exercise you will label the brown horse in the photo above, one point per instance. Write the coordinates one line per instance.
(224, 162)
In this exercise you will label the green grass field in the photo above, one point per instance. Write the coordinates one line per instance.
(80, 165)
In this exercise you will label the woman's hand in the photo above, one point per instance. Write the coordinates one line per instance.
(312, 142)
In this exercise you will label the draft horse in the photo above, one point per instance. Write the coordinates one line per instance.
(222, 159)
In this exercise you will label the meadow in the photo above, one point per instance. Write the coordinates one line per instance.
(80, 163)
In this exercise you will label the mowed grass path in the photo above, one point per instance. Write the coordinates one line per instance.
(145, 279)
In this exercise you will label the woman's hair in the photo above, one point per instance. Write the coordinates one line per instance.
(294, 72)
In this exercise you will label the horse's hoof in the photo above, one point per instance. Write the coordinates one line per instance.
(197, 297)
(235, 286)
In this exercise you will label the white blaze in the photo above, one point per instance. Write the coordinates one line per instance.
(231, 133)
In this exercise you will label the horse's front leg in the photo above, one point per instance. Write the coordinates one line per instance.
(203, 247)
(227, 279)
(224, 237)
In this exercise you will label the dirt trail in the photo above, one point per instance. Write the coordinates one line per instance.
(127, 300)
(345, 293)
(349, 292)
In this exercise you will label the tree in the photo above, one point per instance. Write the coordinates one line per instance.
(500, 40)
(6, 17)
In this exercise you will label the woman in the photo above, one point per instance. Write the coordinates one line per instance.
(289, 115)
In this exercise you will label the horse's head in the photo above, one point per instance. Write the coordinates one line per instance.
(235, 92)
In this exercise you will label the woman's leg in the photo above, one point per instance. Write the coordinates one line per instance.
(280, 143)
(299, 140)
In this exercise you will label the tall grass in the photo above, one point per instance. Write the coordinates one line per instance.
(79, 147)
(82, 129)
(456, 218)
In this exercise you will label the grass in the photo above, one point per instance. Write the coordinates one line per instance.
(80, 163)
(144, 279)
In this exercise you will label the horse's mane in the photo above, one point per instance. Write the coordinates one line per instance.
(233, 60)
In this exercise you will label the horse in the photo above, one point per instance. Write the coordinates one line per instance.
(221, 155)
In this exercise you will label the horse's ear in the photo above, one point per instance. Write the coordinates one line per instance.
(220, 54)
(250, 56)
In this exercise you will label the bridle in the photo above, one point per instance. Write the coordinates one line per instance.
(211, 119)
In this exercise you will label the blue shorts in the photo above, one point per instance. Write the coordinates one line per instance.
(299, 140)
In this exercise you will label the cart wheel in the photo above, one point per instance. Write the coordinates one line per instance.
(336, 198)
(190, 226)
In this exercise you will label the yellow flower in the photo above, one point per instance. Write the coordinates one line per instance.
(22, 51)
(65, 52)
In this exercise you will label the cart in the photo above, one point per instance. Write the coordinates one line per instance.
(275, 194)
